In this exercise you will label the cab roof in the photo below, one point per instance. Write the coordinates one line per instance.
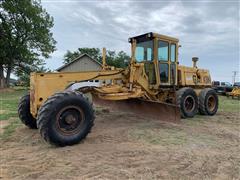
(152, 35)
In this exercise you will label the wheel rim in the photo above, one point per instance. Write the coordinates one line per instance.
(69, 120)
(211, 103)
(189, 103)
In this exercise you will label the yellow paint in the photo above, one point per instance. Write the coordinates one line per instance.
(131, 82)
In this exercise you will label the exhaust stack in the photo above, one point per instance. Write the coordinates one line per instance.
(195, 60)
(104, 64)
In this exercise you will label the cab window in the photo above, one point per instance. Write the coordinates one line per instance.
(162, 51)
(173, 52)
(144, 51)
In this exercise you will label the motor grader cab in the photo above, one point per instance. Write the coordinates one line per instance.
(153, 85)
(159, 55)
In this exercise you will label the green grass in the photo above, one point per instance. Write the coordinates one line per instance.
(9, 103)
(8, 110)
(8, 130)
(15, 93)
(7, 116)
(228, 104)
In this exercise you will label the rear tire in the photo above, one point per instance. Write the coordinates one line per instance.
(65, 118)
(208, 102)
(188, 102)
(25, 114)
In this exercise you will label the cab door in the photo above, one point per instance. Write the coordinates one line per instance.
(144, 54)
(167, 62)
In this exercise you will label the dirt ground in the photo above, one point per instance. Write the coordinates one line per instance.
(126, 146)
(3, 124)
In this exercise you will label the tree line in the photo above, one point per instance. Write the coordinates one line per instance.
(119, 59)
(26, 40)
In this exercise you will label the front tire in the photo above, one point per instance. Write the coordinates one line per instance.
(65, 118)
(188, 102)
(25, 114)
(208, 102)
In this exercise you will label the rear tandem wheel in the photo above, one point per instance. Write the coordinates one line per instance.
(208, 102)
(188, 102)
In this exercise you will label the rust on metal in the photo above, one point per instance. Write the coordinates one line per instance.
(151, 109)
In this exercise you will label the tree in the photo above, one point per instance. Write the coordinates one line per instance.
(118, 60)
(25, 37)
(122, 59)
(93, 52)
(70, 56)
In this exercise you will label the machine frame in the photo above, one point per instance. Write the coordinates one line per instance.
(132, 82)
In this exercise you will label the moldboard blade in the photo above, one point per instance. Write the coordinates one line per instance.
(155, 110)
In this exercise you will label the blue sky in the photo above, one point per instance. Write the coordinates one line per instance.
(206, 29)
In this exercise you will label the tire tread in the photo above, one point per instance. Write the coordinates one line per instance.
(24, 112)
(45, 112)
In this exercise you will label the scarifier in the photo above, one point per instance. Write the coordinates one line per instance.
(153, 85)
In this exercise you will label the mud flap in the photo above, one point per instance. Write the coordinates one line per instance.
(151, 109)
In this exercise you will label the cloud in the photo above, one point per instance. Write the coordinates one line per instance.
(207, 29)
(85, 15)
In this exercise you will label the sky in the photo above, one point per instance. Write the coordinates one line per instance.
(208, 29)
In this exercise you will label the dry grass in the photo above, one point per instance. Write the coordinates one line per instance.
(126, 146)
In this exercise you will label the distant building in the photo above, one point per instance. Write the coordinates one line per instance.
(82, 63)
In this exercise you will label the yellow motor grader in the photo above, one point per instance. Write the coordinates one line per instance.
(153, 85)
(235, 93)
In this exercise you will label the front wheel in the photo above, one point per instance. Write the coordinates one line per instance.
(65, 118)
(25, 114)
